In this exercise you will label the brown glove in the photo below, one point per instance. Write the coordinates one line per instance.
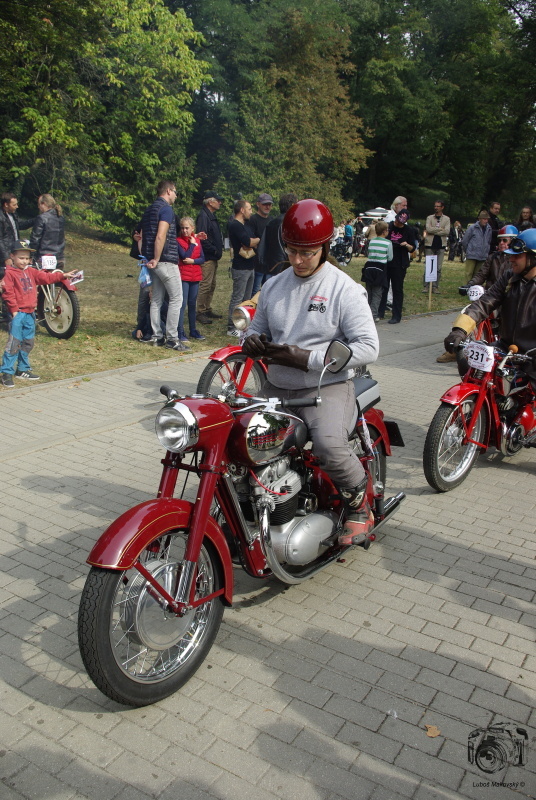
(255, 346)
(453, 340)
(287, 355)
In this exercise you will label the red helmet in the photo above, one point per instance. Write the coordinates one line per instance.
(307, 224)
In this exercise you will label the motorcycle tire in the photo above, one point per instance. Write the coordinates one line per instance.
(247, 376)
(133, 650)
(446, 460)
(63, 319)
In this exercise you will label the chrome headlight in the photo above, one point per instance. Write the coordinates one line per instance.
(176, 427)
(241, 317)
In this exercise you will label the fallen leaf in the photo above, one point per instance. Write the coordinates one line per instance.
(37, 410)
(432, 730)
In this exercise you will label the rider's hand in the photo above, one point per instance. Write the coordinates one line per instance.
(454, 339)
(287, 355)
(255, 346)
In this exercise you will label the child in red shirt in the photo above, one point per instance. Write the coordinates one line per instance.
(20, 296)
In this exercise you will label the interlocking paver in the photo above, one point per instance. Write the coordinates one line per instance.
(298, 698)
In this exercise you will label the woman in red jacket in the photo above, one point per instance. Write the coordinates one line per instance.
(190, 259)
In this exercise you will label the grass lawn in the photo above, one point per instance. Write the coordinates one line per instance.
(108, 304)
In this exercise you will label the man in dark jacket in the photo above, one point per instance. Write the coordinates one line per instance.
(159, 246)
(258, 223)
(495, 223)
(515, 294)
(213, 249)
(10, 225)
(271, 250)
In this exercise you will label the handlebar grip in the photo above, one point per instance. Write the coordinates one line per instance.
(303, 402)
(165, 390)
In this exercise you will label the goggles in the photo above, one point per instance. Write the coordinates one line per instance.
(516, 247)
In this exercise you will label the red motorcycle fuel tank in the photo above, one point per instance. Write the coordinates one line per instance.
(258, 437)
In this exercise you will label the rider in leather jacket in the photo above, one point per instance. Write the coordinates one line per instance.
(515, 294)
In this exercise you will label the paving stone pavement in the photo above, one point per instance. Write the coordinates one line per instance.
(315, 692)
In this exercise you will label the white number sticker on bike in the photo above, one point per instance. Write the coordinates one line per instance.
(480, 356)
(49, 262)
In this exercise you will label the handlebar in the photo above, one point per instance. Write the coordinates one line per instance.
(303, 402)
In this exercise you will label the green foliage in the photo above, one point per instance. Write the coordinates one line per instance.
(99, 103)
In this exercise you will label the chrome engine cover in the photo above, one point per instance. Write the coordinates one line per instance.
(299, 541)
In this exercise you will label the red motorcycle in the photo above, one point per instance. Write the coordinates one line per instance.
(162, 573)
(493, 406)
(230, 371)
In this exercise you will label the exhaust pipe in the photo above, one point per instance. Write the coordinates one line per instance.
(391, 505)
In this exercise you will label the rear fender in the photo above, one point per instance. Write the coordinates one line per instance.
(121, 544)
(375, 417)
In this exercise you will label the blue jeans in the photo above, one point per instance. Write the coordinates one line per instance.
(190, 290)
(259, 280)
(19, 344)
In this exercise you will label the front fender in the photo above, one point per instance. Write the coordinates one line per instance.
(457, 394)
(225, 352)
(121, 544)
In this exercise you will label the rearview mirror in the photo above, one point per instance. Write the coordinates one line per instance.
(337, 356)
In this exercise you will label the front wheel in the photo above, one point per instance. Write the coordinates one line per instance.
(237, 376)
(135, 651)
(447, 460)
(58, 310)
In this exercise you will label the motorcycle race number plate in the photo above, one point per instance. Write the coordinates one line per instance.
(49, 262)
(480, 356)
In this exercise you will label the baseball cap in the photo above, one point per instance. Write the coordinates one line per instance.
(211, 193)
(265, 198)
(18, 245)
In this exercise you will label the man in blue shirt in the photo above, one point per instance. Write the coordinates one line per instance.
(159, 246)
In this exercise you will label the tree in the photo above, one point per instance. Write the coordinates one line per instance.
(99, 102)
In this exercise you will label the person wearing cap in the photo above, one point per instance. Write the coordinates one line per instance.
(437, 229)
(212, 243)
(402, 238)
(515, 294)
(476, 243)
(258, 223)
(20, 295)
(299, 312)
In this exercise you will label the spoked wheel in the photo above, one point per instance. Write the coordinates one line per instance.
(135, 651)
(447, 461)
(237, 376)
(58, 310)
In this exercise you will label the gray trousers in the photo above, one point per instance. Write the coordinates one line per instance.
(374, 297)
(242, 286)
(166, 278)
(329, 425)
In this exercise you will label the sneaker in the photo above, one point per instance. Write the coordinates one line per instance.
(204, 319)
(212, 315)
(7, 381)
(377, 319)
(175, 344)
(436, 291)
(155, 341)
(198, 336)
(183, 338)
(446, 357)
(234, 333)
(26, 375)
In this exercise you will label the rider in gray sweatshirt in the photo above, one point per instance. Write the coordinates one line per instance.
(310, 312)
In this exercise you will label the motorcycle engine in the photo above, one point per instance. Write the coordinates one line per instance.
(298, 532)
